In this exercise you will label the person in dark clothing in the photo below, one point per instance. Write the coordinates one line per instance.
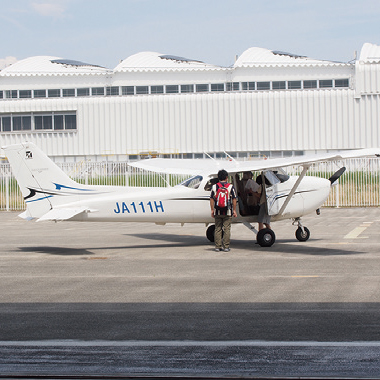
(223, 215)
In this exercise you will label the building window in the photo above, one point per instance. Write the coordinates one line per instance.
(172, 89)
(187, 88)
(310, 84)
(54, 93)
(341, 83)
(112, 91)
(6, 125)
(1, 94)
(39, 93)
(22, 123)
(25, 94)
(157, 89)
(140, 90)
(217, 87)
(279, 85)
(38, 122)
(83, 92)
(202, 87)
(263, 86)
(43, 122)
(11, 94)
(70, 122)
(325, 84)
(68, 92)
(246, 86)
(17, 123)
(294, 85)
(127, 90)
(97, 91)
(58, 122)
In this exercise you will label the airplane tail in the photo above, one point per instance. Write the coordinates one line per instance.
(43, 184)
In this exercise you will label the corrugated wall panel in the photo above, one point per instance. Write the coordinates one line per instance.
(246, 121)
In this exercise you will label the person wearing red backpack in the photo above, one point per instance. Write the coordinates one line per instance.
(223, 202)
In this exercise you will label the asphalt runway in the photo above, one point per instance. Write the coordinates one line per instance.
(146, 300)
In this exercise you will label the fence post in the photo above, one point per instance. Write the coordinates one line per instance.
(127, 177)
(337, 198)
(7, 195)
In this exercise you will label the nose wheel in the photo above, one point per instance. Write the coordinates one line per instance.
(302, 233)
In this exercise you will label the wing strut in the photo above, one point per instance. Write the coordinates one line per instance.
(289, 197)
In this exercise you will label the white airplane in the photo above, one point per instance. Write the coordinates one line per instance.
(50, 194)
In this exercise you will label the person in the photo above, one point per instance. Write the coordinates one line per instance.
(223, 216)
(263, 217)
(253, 191)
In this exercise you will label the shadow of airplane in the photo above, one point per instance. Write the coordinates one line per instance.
(165, 240)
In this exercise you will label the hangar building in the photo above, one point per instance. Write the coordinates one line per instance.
(268, 103)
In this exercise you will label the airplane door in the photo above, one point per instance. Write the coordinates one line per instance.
(273, 201)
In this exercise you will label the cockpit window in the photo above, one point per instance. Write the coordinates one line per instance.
(271, 177)
(281, 175)
(193, 182)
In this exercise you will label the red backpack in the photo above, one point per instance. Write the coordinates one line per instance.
(222, 195)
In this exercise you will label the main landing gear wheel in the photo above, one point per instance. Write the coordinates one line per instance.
(266, 237)
(210, 233)
(302, 235)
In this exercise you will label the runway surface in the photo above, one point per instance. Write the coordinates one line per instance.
(144, 300)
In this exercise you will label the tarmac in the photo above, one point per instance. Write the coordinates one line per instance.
(145, 300)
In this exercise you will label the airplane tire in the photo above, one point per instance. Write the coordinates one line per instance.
(210, 233)
(302, 236)
(266, 237)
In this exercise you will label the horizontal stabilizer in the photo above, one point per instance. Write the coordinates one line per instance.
(26, 215)
(58, 214)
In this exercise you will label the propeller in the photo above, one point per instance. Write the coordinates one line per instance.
(337, 174)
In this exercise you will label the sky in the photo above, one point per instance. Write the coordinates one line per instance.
(104, 32)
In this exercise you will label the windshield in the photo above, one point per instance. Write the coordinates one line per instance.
(193, 182)
(271, 177)
(281, 174)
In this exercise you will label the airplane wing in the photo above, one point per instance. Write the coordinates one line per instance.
(210, 166)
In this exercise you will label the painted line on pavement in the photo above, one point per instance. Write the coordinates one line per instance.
(181, 343)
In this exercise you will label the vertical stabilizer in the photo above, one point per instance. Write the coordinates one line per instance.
(43, 184)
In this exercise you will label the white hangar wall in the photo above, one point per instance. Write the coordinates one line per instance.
(239, 120)
(196, 123)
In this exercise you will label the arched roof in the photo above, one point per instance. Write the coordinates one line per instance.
(149, 60)
(256, 56)
(44, 65)
(370, 53)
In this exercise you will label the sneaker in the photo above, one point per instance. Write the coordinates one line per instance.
(218, 249)
(226, 250)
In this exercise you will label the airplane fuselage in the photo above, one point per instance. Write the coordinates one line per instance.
(181, 204)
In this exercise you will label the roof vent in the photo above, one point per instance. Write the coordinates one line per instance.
(276, 52)
(71, 62)
(178, 59)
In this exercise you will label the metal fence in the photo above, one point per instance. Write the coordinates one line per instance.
(358, 186)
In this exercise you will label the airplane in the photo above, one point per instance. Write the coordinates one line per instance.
(50, 194)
